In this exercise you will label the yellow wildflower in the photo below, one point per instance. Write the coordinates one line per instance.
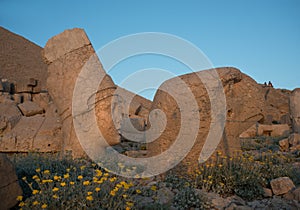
(112, 193)
(35, 203)
(209, 177)
(85, 183)
(20, 198)
(56, 178)
(153, 188)
(44, 206)
(130, 204)
(97, 189)
(47, 181)
(55, 189)
(125, 196)
(66, 176)
(35, 192)
(89, 193)
(46, 172)
(106, 174)
(98, 172)
(82, 167)
(55, 196)
(138, 191)
(127, 208)
(68, 170)
(63, 184)
(35, 177)
(38, 170)
(80, 177)
(113, 179)
(72, 183)
(89, 198)
(21, 204)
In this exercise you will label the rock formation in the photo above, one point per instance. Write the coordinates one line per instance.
(67, 54)
(295, 109)
(9, 185)
(36, 110)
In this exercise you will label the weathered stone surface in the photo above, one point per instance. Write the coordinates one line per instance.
(266, 130)
(296, 194)
(29, 108)
(132, 127)
(276, 109)
(20, 59)
(9, 185)
(20, 139)
(267, 193)
(165, 196)
(295, 109)
(66, 42)
(284, 145)
(66, 54)
(49, 136)
(281, 185)
(294, 139)
(10, 114)
(244, 108)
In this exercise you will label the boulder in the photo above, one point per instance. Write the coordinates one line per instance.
(294, 139)
(295, 109)
(244, 108)
(276, 109)
(66, 55)
(9, 185)
(282, 185)
(165, 196)
(29, 108)
(284, 145)
(267, 193)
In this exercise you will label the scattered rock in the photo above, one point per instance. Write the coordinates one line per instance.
(165, 196)
(29, 108)
(9, 185)
(294, 139)
(267, 193)
(284, 145)
(281, 185)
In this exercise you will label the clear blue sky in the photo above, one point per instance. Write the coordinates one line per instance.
(260, 37)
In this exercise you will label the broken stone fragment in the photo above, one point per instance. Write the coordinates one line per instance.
(29, 108)
(282, 185)
(9, 185)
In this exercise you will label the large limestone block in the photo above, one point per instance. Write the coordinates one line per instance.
(244, 108)
(9, 185)
(29, 108)
(276, 108)
(67, 54)
(295, 109)
(64, 43)
(21, 137)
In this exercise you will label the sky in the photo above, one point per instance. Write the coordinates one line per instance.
(259, 37)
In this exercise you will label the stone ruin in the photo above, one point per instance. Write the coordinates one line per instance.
(33, 118)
